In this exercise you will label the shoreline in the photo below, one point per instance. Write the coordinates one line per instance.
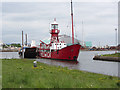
(9, 51)
(108, 57)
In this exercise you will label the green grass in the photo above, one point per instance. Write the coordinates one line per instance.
(0, 74)
(112, 55)
(19, 73)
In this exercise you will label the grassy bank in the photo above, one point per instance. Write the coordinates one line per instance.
(0, 74)
(112, 55)
(21, 74)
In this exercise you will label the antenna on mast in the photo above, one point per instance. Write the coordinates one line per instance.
(54, 19)
(72, 23)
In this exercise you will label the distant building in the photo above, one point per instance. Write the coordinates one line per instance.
(107, 46)
(1, 45)
(67, 39)
(118, 47)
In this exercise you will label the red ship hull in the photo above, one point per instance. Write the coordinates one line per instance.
(68, 53)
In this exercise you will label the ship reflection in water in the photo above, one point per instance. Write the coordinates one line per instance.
(85, 62)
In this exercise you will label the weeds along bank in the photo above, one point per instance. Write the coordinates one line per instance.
(0, 74)
(112, 55)
(18, 73)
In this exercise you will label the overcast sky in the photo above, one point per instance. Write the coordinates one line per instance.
(100, 20)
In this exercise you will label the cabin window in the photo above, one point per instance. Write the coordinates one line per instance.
(52, 50)
(54, 27)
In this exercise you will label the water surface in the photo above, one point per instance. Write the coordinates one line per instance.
(86, 63)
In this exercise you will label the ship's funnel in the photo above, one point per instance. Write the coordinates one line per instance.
(26, 39)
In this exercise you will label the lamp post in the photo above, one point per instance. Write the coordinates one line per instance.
(116, 36)
(83, 34)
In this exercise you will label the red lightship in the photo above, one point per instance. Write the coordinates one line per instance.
(58, 49)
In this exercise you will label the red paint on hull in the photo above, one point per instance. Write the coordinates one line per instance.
(68, 53)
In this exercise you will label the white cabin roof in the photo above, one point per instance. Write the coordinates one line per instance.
(54, 22)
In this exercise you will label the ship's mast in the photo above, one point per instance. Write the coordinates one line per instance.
(72, 23)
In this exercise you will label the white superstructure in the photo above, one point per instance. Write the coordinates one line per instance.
(33, 44)
(58, 46)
